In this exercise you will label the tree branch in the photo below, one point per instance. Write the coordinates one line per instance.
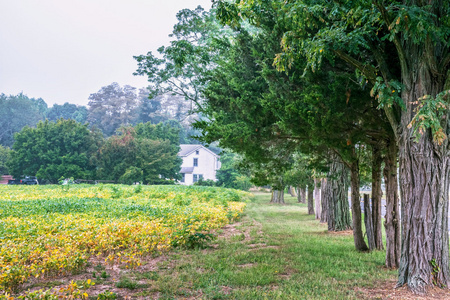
(398, 45)
(368, 70)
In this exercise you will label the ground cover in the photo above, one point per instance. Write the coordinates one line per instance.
(273, 252)
(48, 232)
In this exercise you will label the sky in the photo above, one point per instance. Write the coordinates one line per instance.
(65, 50)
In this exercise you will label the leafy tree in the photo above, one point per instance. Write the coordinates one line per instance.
(111, 107)
(183, 63)
(16, 112)
(129, 157)
(229, 174)
(149, 109)
(67, 111)
(53, 150)
(5, 156)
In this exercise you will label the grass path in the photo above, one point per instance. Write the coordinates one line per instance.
(275, 252)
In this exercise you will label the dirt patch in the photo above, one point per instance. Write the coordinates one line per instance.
(246, 265)
(344, 232)
(387, 290)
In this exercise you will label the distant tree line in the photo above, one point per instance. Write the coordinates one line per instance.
(122, 136)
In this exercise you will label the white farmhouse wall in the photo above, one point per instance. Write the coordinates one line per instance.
(208, 164)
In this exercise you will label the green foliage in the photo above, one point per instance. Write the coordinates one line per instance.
(131, 157)
(132, 174)
(431, 112)
(67, 111)
(54, 150)
(128, 283)
(189, 56)
(229, 175)
(13, 110)
(207, 182)
(107, 295)
(387, 94)
(111, 107)
(5, 156)
(192, 240)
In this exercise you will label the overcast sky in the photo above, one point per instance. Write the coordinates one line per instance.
(65, 50)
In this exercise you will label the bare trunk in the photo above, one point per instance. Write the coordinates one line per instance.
(392, 218)
(376, 197)
(358, 237)
(277, 196)
(323, 201)
(292, 191)
(368, 222)
(310, 199)
(317, 197)
(301, 196)
(336, 193)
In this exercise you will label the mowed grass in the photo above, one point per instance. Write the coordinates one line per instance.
(275, 252)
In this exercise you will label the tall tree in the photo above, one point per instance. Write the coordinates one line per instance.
(112, 106)
(16, 112)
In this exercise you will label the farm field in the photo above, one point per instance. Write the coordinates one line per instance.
(49, 232)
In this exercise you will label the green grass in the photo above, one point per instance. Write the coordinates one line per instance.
(287, 254)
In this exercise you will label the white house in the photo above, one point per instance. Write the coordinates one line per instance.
(198, 162)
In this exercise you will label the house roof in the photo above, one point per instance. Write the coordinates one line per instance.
(187, 170)
(188, 149)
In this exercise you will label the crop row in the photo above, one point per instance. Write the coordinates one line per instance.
(50, 231)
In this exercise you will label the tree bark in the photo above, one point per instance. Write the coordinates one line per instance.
(292, 191)
(336, 193)
(301, 195)
(277, 196)
(368, 222)
(392, 218)
(424, 180)
(323, 201)
(317, 197)
(376, 197)
(358, 237)
(310, 199)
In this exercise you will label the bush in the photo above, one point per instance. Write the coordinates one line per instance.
(207, 182)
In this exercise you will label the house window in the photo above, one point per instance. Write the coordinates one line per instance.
(195, 162)
(197, 177)
(183, 176)
(197, 152)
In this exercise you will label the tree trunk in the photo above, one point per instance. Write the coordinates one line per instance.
(424, 174)
(301, 195)
(323, 201)
(358, 237)
(277, 196)
(376, 197)
(310, 199)
(292, 191)
(368, 222)
(317, 197)
(336, 193)
(392, 218)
